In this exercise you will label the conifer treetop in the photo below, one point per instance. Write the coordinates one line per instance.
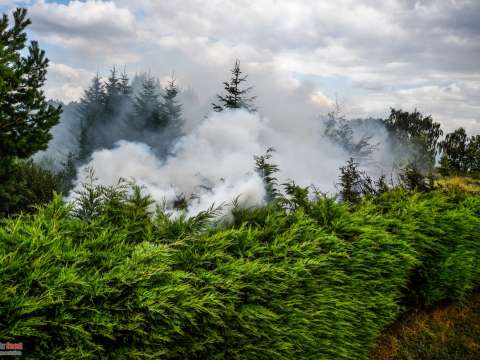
(26, 117)
(235, 97)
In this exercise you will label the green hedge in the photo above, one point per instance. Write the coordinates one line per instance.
(318, 282)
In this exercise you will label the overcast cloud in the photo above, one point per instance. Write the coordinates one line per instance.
(373, 54)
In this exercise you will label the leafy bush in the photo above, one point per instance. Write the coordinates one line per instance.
(24, 185)
(312, 280)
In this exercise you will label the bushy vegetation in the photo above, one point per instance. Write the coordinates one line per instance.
(24, 185)
(297, 279)
(304, 277)
(460, 153)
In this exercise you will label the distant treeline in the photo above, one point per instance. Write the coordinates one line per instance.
(141, 110)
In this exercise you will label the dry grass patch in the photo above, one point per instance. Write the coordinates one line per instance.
(444, 333)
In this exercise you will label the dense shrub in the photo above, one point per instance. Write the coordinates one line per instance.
(308, 282)
(23, 185)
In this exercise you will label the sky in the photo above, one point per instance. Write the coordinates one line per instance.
(370, 55)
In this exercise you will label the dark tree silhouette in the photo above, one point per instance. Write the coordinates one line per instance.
(147, 105)
(25, 116)
(414, 129)
(235, 97)
(460, 154)
(91, 110)
(267, 172)
(350, 184)
(171, 108)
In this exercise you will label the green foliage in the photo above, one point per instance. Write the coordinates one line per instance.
(412, 129)
(412, 178)
(267, 172)
(350, 182)
(90, 113)
(460, 153)
(235, 97)
(147, 105)
(171, 108)
(24, 185)
(109, 278)
(25, 115)
(110, 110)
(67, 174)
(355, 183)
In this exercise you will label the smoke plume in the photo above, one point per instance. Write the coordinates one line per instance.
(214, 164)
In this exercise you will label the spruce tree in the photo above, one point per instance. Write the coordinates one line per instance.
(124, 86)
(25, 116)
(91, 111)
(350, 184)
(267, 172)
(235, 97)
(147, 105)
(171, 108)
(113, 95)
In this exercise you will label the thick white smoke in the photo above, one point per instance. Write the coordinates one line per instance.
(215, 161)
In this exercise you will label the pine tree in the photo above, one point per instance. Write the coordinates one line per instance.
(91, 112)
(147, 105)
(350, 182)
(124, 86)
(171, 108)
(235, 97)
(267, 172)
(25, 116)
(68, 174)
(113, 95)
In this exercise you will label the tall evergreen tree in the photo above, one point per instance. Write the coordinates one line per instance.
(235, 97)
(350, 184)
(147, 105)
(267, 172)
(25, 115)
(91, 111)
(171, 108)
(113, 95)
(125, 87)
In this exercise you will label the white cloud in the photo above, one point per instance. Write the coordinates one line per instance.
(387, 52)
(66, 83)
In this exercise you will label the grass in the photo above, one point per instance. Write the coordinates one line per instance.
(446, 332)
(464, 184)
